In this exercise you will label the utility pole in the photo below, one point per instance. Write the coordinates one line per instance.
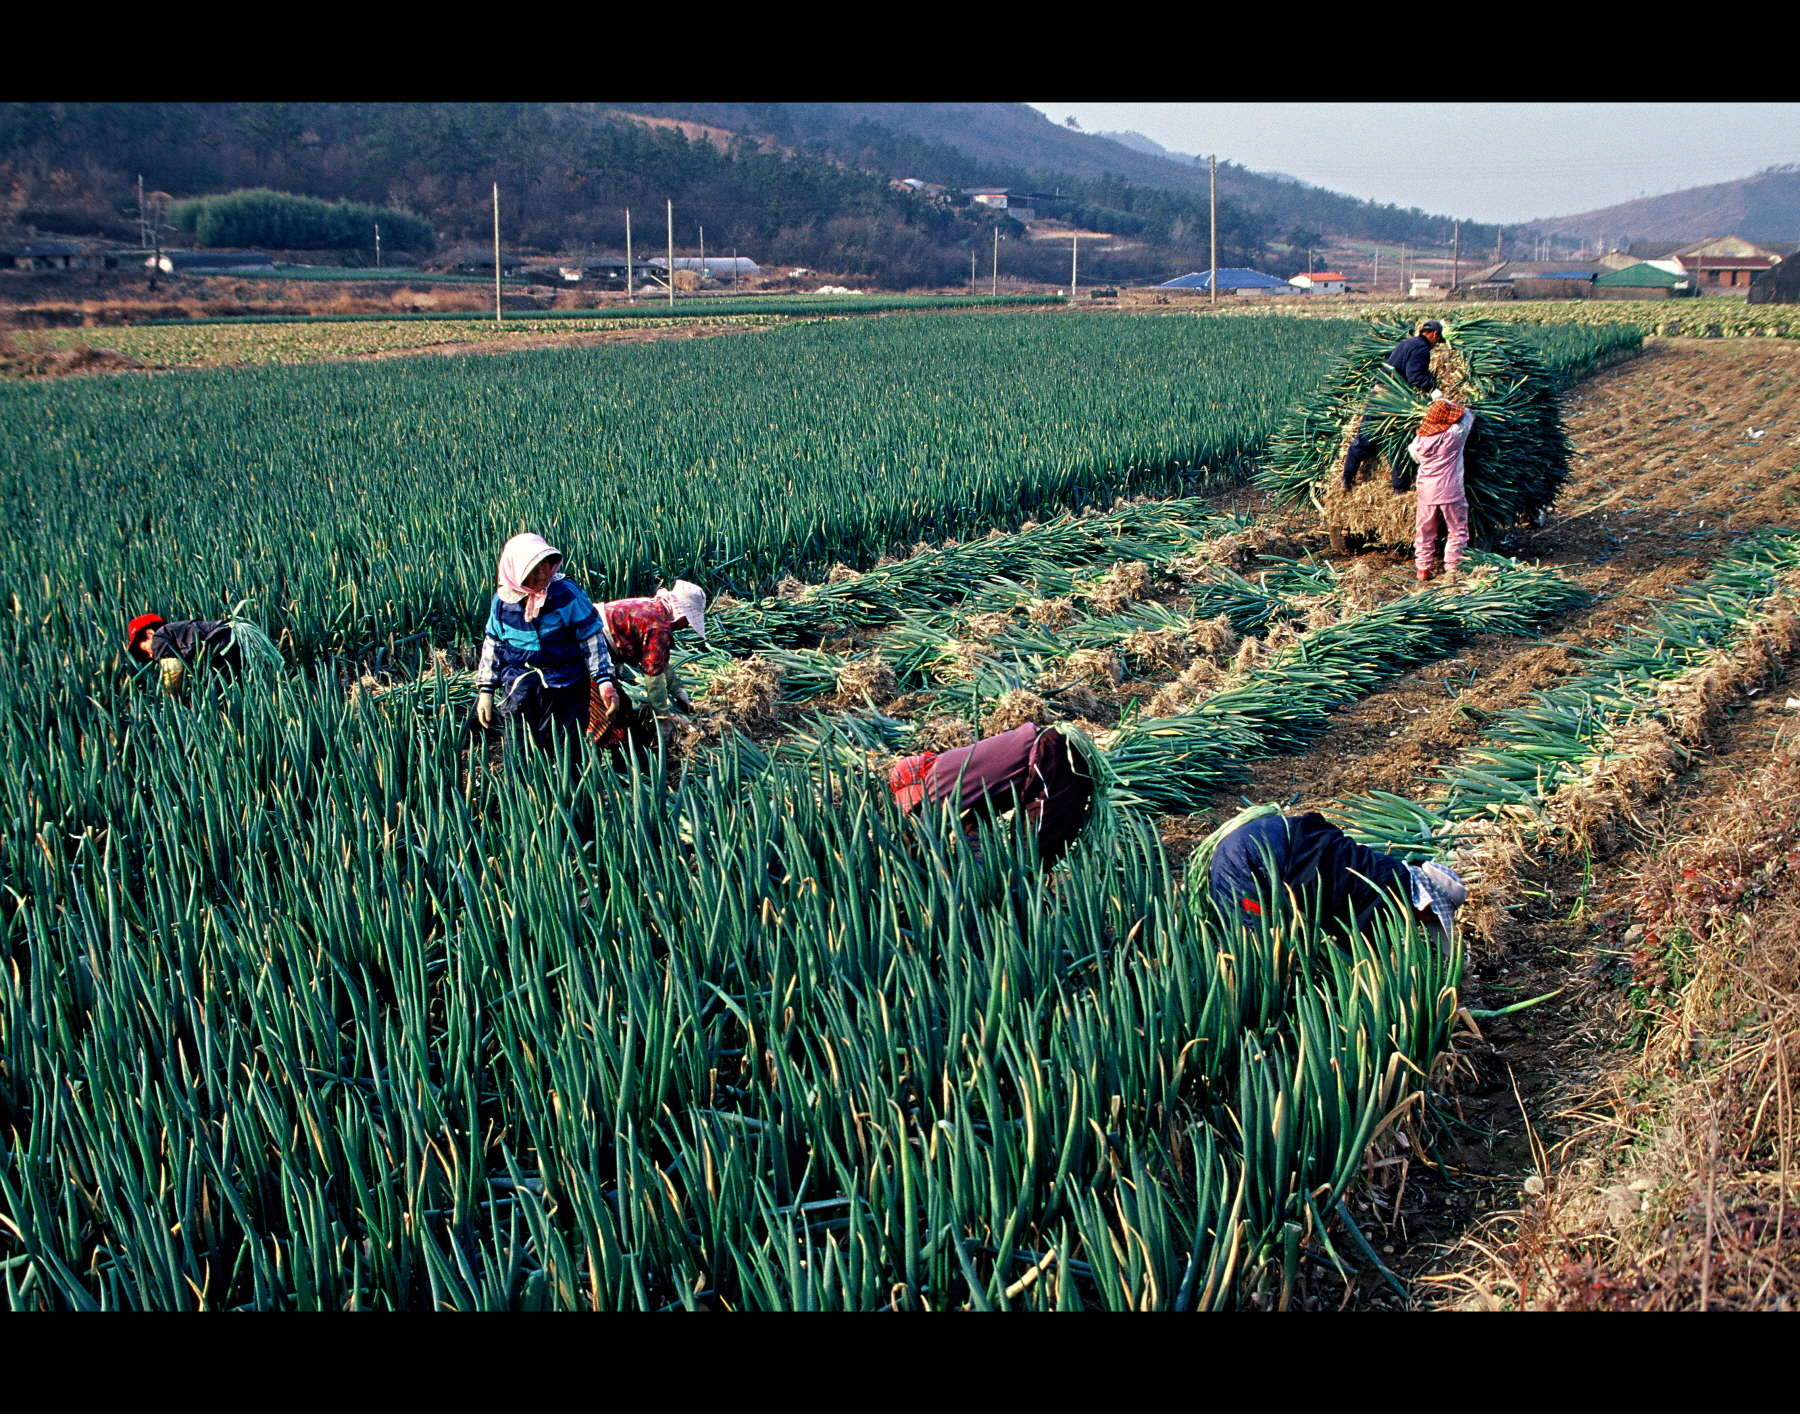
(1499, 233)
(629, 297)
(1212, 279)
(143, 230)
(378, 245)
(995, 289)
(702, 270)
(971, 272)
(1456, 255)
(497, 315)
(1074, 264)
(1375, 284)
(734, 278)
(671, 255)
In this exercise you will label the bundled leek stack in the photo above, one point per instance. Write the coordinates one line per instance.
(1516, 460)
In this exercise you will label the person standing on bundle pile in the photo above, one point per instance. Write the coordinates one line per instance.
(1411, 359)
(1438, 449)
(1029, 768)
(544, 649)
(1263, 855)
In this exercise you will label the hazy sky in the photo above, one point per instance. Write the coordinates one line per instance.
(1508, 162)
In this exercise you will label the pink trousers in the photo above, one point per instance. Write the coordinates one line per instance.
(1455, 515)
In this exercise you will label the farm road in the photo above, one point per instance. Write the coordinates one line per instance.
(1678, 451)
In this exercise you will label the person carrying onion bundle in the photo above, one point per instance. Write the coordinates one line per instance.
(1029, 768)
(1443, 497)
(176, 645)
(1264, 856)
(641, 635)
(1411, 359)
(544, 649)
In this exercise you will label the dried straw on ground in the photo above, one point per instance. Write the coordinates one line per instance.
(985, 626)
(1120, 587)
(747, 694)
(942, 734)
(1679, 1190)
(1158, 650)
(1013, 709)
(868, 679)
(1098, 667)
(1215, 637)
(1199, 680)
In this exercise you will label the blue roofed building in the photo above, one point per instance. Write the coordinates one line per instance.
(1236, 282)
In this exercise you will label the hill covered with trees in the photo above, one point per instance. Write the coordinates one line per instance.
(808, 184)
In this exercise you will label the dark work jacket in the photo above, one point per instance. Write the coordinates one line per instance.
(1411, 359)
(1324, 867)
(1030, 767)
(185, 638)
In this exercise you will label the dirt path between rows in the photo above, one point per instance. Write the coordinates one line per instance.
(1678, 452)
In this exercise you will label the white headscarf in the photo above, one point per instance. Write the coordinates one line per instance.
(685, 599)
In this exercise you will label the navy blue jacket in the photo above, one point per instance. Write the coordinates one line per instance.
(1324, 867)
(563, 643)
(184, 638)
(1411, 359)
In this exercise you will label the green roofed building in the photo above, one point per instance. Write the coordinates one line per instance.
(1641, 281)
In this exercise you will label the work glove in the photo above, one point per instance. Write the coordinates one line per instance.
(484, 707)
(609, 696)
(656, 691)
(1437, 395)
(174, 674)
(683, 701)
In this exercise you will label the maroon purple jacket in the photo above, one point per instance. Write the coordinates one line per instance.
(1030, 767)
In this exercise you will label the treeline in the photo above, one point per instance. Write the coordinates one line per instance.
(567, 173)
(281, 221)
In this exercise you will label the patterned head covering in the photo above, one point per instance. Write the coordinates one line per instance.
(1438, 888)
(907, 779)
(685, 599)
(518, 558)
(1440, 417)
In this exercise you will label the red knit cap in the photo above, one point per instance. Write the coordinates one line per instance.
(135, 630)
(907, 779)
(1441, 416)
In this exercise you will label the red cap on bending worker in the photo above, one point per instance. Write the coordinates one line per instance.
(907, 780)
(138, 627)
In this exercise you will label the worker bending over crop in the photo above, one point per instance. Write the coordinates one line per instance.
(1411, 359)
(1314, 863)
(175, 646)
(544, 648)
(1030, 768)
(641, 635)
(1438, 449)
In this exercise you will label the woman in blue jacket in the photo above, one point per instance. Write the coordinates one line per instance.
(544, 647)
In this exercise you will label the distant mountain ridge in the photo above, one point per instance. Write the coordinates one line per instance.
(1763, 207)
(1016, 143)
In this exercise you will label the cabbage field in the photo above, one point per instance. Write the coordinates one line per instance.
(294, 1015)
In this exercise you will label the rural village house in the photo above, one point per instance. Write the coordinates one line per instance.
(1237, 282)
(1325, 282)
(1719, 265)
